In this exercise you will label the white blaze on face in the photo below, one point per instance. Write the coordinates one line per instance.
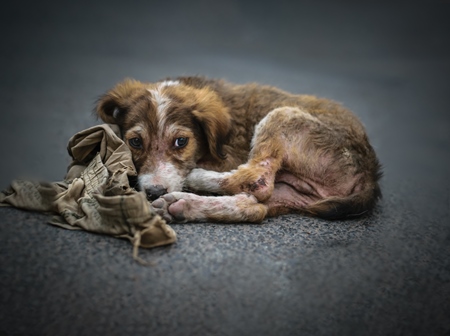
(165, 174)
(161, 101)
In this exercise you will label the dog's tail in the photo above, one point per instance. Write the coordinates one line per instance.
(346, 207)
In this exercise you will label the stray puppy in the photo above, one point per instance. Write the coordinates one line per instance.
(265, 151)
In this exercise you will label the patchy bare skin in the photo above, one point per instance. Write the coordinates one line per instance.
(265, 151)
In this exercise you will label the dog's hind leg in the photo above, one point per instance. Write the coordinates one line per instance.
(184, 207)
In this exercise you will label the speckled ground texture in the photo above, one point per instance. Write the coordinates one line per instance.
(384, 274)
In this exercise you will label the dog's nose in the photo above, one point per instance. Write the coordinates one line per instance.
(155, 191)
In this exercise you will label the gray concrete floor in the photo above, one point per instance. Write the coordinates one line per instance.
(385, 274)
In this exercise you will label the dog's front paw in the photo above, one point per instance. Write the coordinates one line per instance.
(170, 208)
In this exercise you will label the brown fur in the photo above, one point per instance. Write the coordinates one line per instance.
(293, 153)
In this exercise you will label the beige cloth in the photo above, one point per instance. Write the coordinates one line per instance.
(95, 195)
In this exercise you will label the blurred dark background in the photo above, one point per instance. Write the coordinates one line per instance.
(387, 274)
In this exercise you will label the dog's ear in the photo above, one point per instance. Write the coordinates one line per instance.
(215, 120)
(112, 106)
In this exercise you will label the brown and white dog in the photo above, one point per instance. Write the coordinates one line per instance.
(246, 151)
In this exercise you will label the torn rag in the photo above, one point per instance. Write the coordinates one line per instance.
(95, 195)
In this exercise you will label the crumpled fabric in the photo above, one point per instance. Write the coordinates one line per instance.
(95, 195)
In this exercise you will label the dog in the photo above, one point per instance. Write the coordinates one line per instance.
(209, 150)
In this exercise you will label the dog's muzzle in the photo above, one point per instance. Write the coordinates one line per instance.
(155, 191)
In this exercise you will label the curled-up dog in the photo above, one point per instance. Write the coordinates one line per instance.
(209, 150)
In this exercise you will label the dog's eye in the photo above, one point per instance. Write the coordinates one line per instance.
(181, 142)
(135, 143)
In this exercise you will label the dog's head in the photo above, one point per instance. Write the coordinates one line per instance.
(169, 128)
